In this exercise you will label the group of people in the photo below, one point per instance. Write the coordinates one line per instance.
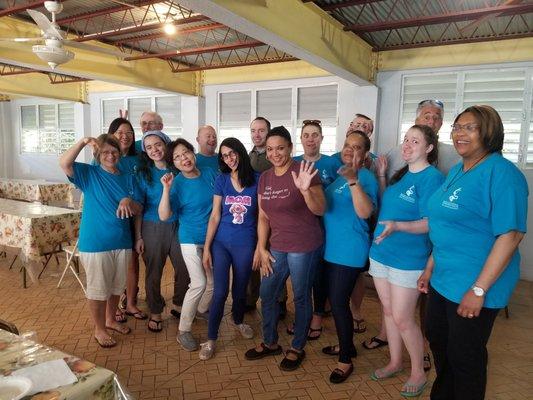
(433, 224)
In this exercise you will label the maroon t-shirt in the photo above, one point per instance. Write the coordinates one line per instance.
(293, 227)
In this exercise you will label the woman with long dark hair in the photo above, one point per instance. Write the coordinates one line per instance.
(231, 238)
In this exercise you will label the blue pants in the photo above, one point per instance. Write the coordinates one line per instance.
(239, 259)
(301, 268)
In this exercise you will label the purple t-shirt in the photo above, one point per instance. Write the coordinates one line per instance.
(293, 227)
(238, 221)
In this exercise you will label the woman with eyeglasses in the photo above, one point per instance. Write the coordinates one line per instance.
(400, 251)
(189, 195)
(311, 138)
(156, 240)
(477, 218)
(231, 239)
(351, 199)
(289, 243)
(105, 241)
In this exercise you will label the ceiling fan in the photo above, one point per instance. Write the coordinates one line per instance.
(52, 51)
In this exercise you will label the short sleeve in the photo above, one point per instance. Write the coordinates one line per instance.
(508, 195)
(430, 186)
(219, 185)
(81, 176)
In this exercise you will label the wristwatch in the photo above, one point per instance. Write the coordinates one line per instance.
(478, 291)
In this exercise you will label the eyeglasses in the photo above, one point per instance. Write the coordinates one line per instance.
(470, 128)
(129, 133)
(185, 154)
(434, 101)
(228, 155)
(311, 121)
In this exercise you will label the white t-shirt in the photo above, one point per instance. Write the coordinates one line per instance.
(448, 157)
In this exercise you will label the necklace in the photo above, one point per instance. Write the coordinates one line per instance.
(457, 177)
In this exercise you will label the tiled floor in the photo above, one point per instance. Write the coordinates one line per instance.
(153, 366)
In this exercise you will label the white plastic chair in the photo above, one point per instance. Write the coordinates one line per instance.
(70, 253)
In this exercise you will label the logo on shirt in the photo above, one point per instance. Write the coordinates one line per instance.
(407, 196)
(325, 177)
(454, 196)
(238, 207)
(341, 188)
(269, 194)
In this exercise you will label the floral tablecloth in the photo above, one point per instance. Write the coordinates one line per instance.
(37, 190)
(94, 382)
(36, 229)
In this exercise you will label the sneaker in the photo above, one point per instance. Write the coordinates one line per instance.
(246, 331)
(187, 341)
(207, 350)
(202, 315)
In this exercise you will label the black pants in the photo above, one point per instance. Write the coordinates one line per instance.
(341, 283)
(320, 288)
(459, 347)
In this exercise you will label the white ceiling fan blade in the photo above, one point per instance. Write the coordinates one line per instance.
(35, 39)
(96, 49)
(44, 24)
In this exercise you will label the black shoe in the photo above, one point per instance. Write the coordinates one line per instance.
(249, 308)
(282, 310)
(333, 351)
(253, 354)
(339, 376)
(290, 365)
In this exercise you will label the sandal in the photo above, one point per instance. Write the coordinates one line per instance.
(120, 317)
(123, 329)
(137, 314)
(374, 339)
(253, 354)
(314, 330)
(175, 313)
(158, 325)
(359, 325)
(106, 343)
(387, 375)
(290, 365)
(427, 362)
(417, 389)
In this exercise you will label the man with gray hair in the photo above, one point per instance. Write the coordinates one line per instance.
(429, 113)
(207, 145)
(150, 121)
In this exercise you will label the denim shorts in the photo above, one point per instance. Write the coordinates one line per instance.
(395, 276)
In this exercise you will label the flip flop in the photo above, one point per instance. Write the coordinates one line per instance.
(379, 343)
(158, 328)
(124, 331)
(360, 325)
(374, 376)
(107, 343)
(417, 392)
(120, 317)
(175, 313)
(136, 314)
(312, 330)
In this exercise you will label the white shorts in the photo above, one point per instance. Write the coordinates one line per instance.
(395, 276)
(106, 272)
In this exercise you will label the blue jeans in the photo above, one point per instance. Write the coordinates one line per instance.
(301, 268)
(239, 258)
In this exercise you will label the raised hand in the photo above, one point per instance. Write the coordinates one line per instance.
(166, 180)
(303, 180)
(381, 165)
(351, 171)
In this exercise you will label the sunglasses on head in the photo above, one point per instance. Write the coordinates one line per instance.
(311, 121)
(438, 102)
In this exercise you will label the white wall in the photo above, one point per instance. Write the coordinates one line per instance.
(352, 99)
(5, 139)
(390, 84)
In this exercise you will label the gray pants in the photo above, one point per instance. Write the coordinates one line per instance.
(161, 240)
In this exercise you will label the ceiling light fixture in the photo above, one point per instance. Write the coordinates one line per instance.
(170, 29)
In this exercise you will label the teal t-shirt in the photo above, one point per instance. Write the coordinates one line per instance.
(406, 200)
(205, 161)
(466, 216)
(151, 195)
(100, 229)
(327, 168)
(347, 235)
(192, 201)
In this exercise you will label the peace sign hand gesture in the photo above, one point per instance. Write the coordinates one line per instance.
(303, 180)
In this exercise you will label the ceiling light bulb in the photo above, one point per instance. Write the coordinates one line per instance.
(170, 29)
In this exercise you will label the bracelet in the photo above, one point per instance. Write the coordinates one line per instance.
(353, 183)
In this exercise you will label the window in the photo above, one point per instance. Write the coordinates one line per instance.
(169, 107)
(235, 114)
(47, 128)
(508, 90)
(282, 106)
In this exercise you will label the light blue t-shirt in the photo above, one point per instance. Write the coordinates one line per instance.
(100, 228)
(138, 146)
(406, 200)
(466, 216)
(192, 200)
(151, 195)
(205, 161)
(347, 235)
(327, 168)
